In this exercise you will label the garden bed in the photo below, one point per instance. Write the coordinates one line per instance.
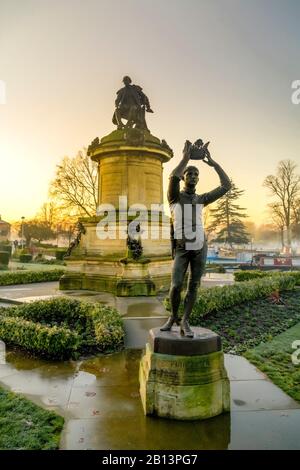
(218, 298)
(250, 323)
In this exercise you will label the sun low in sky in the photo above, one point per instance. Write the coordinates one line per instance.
(217, 69)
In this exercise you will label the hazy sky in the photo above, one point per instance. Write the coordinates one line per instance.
(216, 69)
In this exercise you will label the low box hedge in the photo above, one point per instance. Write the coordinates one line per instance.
(56, 342)
(25, 258)
(241, 276)
(62, 327)
(59, 254)
(220, 298)
(27, 277)
(4, 258)
(6, 247)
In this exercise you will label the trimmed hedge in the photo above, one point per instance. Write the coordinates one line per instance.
(27, 277)
(52, 341)
(4, 258)
(59, 254)
(62, 327)
(241, 276)
(4, 247)
(25, 258)
(108, 327)
(220, 298)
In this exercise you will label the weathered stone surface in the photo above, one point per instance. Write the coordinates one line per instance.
(172, 342)
(134, 171)
(184, 387)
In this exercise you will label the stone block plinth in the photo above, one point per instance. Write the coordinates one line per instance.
(184, 378)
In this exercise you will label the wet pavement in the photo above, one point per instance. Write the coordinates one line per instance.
(36, 289)
(99, 398)
(40, 289)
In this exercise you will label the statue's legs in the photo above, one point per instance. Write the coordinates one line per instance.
(131, 117)
(141, 120)
(180, 265)
(117, 119)
(197, 266)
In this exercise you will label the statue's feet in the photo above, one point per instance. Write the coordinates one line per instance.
(185, 329)
(169, 323)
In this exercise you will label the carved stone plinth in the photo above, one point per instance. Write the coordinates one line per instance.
(184, 378)
(130, 164)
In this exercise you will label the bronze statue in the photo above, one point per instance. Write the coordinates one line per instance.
(134, 242)
(131, 104)
(189, 243)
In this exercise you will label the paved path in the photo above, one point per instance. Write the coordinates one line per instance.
(37, 289)
(99, 398)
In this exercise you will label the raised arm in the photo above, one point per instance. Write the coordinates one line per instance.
(225, 183)
(177, 173)
(186, 155)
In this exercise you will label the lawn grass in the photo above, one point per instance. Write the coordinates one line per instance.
(16, 265)
(274, 359)
(244, 326)
(26, 426)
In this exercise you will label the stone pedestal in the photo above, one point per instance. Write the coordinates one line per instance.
(130, 164)
(184, 378)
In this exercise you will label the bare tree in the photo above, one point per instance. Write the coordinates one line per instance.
(285, 186)
(296, 218)
(277, 215)
(74, 188)
(48, 213)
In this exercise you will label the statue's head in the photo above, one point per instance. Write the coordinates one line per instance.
(191, 176)
(126, 80)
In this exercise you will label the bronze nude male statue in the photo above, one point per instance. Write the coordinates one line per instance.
(131, 104)
(189, 243)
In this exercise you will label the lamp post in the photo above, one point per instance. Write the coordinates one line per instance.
(22, 232)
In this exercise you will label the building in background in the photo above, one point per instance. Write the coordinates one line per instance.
(5, 228)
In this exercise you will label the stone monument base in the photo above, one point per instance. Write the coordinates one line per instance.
(184, 378)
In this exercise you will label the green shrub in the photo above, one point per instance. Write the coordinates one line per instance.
(221, 269)
(59, 254)
(62, 327)
(25, 258)
(27, 277)
(6, 247)
(55, 341)
(4, 258)
(108, 328)
(220, 298)
(241, 276)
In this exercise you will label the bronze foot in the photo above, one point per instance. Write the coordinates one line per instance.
(169, 323)
(185, 329)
